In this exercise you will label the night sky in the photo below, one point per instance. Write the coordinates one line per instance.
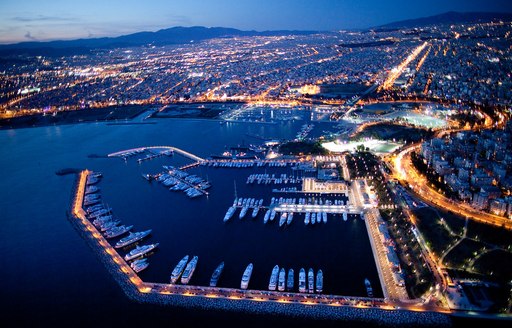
(28, 20)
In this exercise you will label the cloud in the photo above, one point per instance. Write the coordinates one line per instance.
(42, 18)
(29, 36)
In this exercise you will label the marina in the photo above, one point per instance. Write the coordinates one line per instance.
(164, 222)
(167, 290)
(256, 163)
(329, 139)
(284, 208)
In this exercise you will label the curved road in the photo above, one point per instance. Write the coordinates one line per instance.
(405, 171)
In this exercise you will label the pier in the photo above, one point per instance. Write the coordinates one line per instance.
(142, 149)
(151, 156)
(247, 163)
(189, 166)
(303, 208)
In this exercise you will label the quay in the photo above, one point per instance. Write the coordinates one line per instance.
(391, 287)
(316, 306)
(303, 208)
(245, 163)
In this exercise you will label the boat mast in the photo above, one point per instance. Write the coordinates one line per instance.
(236, 196)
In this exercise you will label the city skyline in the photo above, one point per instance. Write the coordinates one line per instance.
(263, 164)
(30, 20)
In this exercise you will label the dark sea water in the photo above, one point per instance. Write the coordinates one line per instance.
(50, 275)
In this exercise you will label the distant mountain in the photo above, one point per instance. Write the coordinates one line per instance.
(450, 17)
(174, 35)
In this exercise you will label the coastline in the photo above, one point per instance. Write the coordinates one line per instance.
(117, 114)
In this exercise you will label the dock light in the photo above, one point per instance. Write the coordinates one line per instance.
(144, 289)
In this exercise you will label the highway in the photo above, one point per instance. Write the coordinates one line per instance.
(396, 72)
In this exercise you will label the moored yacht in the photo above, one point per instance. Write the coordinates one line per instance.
(255, 211)
(289, 280)
(117, 231)
(216, 275)
(267, 216)
(369, 289)
(229, 213)
(273, 278)
(178, 269)
(283, 218)
(246, 277)
(139, 251)
(290, 218)
(319, 281)
(189, 270)
(139, 265)
(302, 280)
(311, 280)
(282, 280)
(91, 190)
(132, 238)
(243, 211)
